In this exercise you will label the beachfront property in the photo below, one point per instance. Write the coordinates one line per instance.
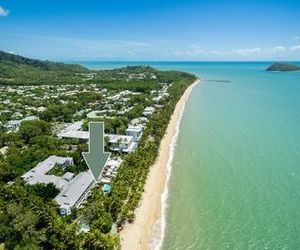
(148, 111)
(116, 143)
(135, 131)
(73, 189)
(110, 170)
(75, 192)
(121, 143)
(140, 121)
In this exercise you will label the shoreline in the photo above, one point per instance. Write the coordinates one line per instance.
(147, 230)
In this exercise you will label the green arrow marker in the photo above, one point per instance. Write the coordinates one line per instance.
(96, 158)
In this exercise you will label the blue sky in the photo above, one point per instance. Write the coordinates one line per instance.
(151, 29)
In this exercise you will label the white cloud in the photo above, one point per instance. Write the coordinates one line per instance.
(278, 49)
(248, 51)
(3, 12)
(297, 47)
(189, 52)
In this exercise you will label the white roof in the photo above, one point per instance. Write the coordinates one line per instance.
(71, 127)
(72, 194)
(68, 176)
(38, 173)
(149, 109)
(46, 165)
(58, 182)
(116, 138)
(114, 163)
(134, 129)
(30, 118)
(76, 135)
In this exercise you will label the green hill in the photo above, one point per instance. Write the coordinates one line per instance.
(283, 67)
(15, 69)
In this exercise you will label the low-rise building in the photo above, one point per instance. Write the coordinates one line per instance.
(121, 143)
(135, 131)
(75, 192)
(15, 124)
(149, 111)
(39, 174)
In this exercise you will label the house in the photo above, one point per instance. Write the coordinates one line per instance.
(15, 124)
(121, 143)
(4, 150)
(72, 131)
(157, 99)
(135, 131)
(148, 111)
(141, 121)
(82, 136)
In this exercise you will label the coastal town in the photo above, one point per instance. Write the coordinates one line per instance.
(22, 104)
(44, 126)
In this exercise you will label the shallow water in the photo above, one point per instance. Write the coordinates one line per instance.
(235, 181)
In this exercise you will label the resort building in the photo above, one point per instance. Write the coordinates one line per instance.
(141, 121)
(117, 143)
(121, 143)
(110, 170)
(82, 136)
(75, 192)
(39, 174)
(135, 131)
(73, 189)
(72, 131)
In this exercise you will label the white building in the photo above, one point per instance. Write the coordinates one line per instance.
(39, 174)
(96, 114)
(15, 124)
(135, 131)
(141, 122)
(110, 170)
(121, 143)
(75, 192)
(149, 111)
(72, 131)
(117, 143)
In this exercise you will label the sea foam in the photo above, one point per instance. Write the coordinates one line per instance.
(160, 225)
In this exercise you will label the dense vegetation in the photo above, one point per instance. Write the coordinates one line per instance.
(16, 69)
(28, 214)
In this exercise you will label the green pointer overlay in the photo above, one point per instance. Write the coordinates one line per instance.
(96, 157)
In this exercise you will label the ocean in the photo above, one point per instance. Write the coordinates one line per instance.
(235, 180)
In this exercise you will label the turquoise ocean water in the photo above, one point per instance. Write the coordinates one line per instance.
(235, 181)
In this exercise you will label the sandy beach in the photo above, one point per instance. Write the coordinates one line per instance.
(147, 226)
